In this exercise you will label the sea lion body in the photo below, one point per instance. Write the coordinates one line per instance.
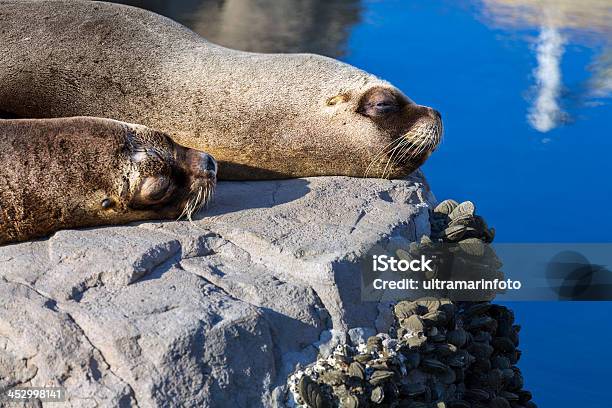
(260, 115)
(82, 172)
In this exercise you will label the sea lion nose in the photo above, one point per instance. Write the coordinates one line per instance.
(208, 166)
(200, 164)
(434, 114)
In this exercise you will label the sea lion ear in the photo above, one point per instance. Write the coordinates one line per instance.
(379, 102)
(340, 98)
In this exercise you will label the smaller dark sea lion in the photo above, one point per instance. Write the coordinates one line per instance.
(85, 171)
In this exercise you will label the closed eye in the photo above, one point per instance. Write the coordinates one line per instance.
(154, 189)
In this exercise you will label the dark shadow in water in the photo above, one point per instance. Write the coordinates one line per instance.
(573, 277)
(317, 26)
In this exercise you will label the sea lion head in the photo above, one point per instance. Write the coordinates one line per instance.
(297, 115)
(84, 171)
(413, 131)
(164, 179)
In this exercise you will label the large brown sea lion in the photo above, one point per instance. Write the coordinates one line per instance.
(83, 171)
(260, 115)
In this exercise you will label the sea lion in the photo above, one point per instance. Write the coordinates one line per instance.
(83, 171)
(260, 115)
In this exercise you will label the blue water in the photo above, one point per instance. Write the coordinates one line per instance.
(533, 186)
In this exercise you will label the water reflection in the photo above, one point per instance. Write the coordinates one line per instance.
(558, 22)
(319, 26)
(546, 112)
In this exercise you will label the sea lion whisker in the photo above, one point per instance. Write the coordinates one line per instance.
(403, 142)
(380, 155)
(385, 150)
(201, 194)
(390, 156)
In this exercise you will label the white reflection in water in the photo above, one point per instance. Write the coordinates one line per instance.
(545, 112)
(585, 22)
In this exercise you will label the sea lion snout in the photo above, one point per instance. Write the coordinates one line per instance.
(201, 169)
(434, 114)
(413, 131)
(200, 164)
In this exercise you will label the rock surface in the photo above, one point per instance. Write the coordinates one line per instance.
(211, 313)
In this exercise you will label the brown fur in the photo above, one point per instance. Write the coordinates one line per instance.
(56, 173)
(260, 115)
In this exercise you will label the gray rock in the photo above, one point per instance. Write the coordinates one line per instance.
(211, 313)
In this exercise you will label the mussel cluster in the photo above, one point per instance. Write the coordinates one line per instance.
(438, 354)
(459, 244)
(454, 222)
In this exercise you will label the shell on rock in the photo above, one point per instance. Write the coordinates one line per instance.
(510, 396)
(363, 358)
(431, 304)
(457, 337)
(460, 359)
(447, 377)
(477, 394)
(416, 341)
(503, 344)
(524, 396)
(431, 364)
(379, 365)
(350, 401)
(446, 207)
(374, 343)
(357, 370)
(413, 389)
(499, 402)
(495, 378)
(501, 362)
(380, 376)
(378, 395)
(466, 207)
(478, 309)
(448, 308)
(413, 359)
(445, 349)
(508, 374)
(456, 232)
(413, 323)
(405, 309)
(426, 240)
(472, 246)
(311, 393)
(482, 322)
(435, 317)
(333, 377)
(483, 337)
(480, 350)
